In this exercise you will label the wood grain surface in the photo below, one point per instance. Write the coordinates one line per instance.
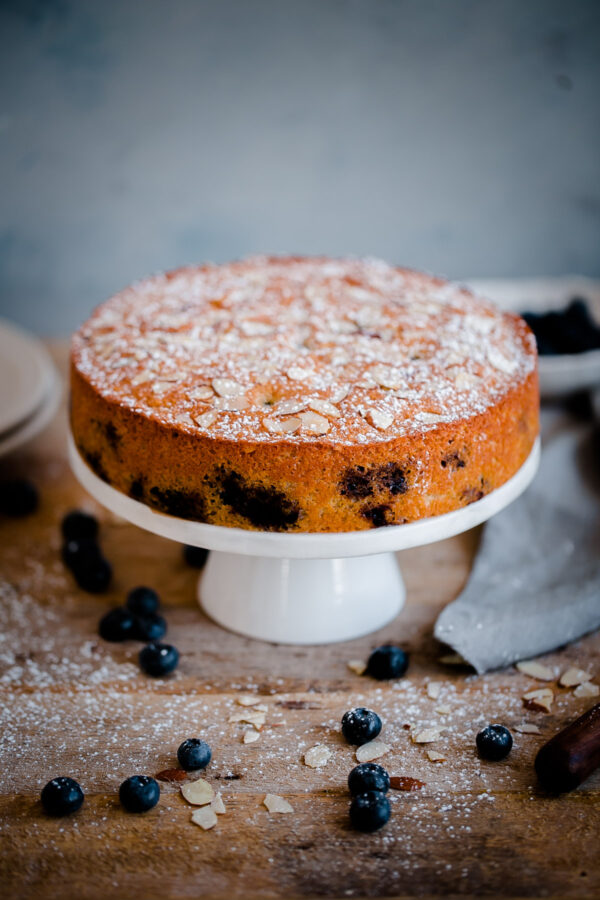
(71, 704)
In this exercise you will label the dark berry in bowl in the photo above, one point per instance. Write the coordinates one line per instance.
(62, 796)
(158, 659)
(117, 625)
(494, 742)
(195, 556)
(143, 601)
(78, 525)
(194, 754)
(139, 793)
(360, 725)
(18, 498)
(149, 628)
(387, 661)
(93, 576)
(369, 811)
(368, 777)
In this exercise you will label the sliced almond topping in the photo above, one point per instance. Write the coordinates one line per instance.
(207, 418)
(433, 689)
(429, 418)
(464, 380)
(288, 407)
(573, 677)
(535, 670)
(143, 378)
(296, 373)
(325, 407)
(198, 792)
(501, 362)
(231, 403)
(183, 419)
(314, 423)
(276, 804)
(587, 689)
(217, 804)
(379, 418)
(281, 426)
(357, 666)
(250, 736)
(227, 387)
(540, 700)
(205, 818)
(435, 757)
(253, 328)
(202, 392)
(317, 756)
(426, 736)
(252, 717)
(339, 394)
(387, 376)
(527, 728)
(247, 700)
(371, 750)
(443, 710)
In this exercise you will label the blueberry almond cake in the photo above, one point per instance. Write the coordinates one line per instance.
(303, 394)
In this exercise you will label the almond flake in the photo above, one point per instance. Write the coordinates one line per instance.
(276, 804)
(217, 804)
(227, 387)
(231, 403)
(340, 393)
(429, 418)
(573, 677)
(535, 670)
(325, 408)
(435, 757)
(207, 418)
(527, 728)
(426, 736)
(317, 756)
(464, 380)
(252, 328)
(387, 376)
(256, 718)
(540, 700)
(142, 378)
(288, 407)
(371, 750)
(357, 666)
(443, 710)
(202, 392)
(247, 700)
(501, 362)
(250, 736)
(587, 689)
(281, 426)
(205, 818)
(433, 689)
(298, 374)
(198, 792)
(379, 418)
(314, 423)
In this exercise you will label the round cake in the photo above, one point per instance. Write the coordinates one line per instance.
(303, 394)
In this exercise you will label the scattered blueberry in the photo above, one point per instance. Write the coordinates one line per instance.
(78, 525)
(94, 576)
(195, 556)
(18, 498)
(148, 628)
(369, 811)
(360, 725)
(494, 742)
(387, 661)
(62, 796)
(143, 601)
(80, 553)
(139, 793)
(158, 659)
(194, 754)
(117, 625)
(368, 777)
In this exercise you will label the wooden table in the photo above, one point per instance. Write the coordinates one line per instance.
(72, 704)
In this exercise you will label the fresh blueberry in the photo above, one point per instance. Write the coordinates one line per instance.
(369, 811)
(94, 576)
(143, 601)
(387, 661)
(194, 754)
(158, 659)
(195, 556)
(78, 525)
(117, 625)
(360, 725)
(149, 628)
(494, 742)
(80, 553)
(18, 498)
(139, 793)
(368, 777)
(62, 796)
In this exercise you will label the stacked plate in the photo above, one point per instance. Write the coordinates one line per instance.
(30, 387)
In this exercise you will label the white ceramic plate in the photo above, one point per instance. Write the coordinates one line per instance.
(26, 373)
(41, 417)
(567, 373)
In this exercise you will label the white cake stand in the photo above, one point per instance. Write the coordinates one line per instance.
(303, 588)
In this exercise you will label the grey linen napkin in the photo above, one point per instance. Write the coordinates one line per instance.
(535, 584)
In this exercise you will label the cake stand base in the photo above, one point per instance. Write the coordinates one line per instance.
(302, 601)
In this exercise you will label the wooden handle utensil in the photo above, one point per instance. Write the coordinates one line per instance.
(572, 755)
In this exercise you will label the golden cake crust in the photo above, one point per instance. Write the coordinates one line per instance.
(303, 394)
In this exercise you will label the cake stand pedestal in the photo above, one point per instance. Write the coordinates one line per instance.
(303, 588)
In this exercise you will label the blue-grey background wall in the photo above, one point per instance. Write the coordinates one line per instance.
(460, 136)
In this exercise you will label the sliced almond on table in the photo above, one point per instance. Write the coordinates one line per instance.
(426, 736)
(527, 728)
(435, 757)
(357, 666)
(250, 736)
(252, 717)
(433, 689)
(540, 700)
(587, 689)
(573, 677)
(248, 700)
(206, 818)
(199, 792)
(535, 670)
(443, 710)
(371, 750)
(317, 756)
(217, 804)
(276, 804)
